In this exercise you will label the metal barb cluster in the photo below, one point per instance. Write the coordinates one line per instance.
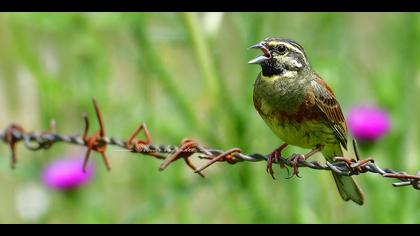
(188, 148)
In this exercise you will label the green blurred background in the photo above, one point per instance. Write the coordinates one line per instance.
(186, 75)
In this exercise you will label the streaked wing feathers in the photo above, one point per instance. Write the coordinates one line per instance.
(330, 109)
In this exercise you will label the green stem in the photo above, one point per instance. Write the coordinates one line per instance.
(201, 50)
(30, 59)
(155, 65)
(214, 82)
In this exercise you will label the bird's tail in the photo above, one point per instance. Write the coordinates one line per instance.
(347, 187)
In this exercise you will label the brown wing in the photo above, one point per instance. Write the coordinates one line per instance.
(328, 106)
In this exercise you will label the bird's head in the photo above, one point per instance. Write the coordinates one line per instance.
(279, 56)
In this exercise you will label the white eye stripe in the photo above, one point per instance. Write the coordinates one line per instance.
(290, 47)
(287, 45)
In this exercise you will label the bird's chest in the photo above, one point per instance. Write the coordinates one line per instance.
(282, 97)
(287, 109)
(301, 129)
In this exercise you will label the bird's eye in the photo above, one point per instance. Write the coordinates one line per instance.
(281, 49)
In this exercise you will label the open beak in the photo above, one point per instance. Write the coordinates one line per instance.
(260, 59)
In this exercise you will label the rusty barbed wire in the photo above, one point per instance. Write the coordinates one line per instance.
(98, 142)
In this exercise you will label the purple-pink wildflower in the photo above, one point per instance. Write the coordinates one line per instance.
(368, 122)
(66, 174)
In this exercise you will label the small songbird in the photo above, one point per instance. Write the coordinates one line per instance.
(300, 108)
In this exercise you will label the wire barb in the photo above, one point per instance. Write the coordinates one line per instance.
(188, 149)
(95, 142)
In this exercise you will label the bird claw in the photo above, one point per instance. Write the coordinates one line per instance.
(275, 157)
(294, 161)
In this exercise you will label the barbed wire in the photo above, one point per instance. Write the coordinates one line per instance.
(98, 142)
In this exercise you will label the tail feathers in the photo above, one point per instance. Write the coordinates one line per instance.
(348, 189)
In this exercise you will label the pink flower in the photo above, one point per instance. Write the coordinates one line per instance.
(66, 174)
(368, 123)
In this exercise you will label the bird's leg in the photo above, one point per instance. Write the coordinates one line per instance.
(296, 158)
(275, 155)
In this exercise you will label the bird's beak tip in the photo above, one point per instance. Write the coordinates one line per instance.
(258, 45)
(259, 59)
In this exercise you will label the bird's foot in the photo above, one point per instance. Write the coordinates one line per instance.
(275, 157)
(355, 166)
(294, 161)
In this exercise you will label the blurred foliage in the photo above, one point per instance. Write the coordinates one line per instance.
(186, 75)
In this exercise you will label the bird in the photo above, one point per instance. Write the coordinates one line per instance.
(300, 108)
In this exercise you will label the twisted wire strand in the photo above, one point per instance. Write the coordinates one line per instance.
(169, 153)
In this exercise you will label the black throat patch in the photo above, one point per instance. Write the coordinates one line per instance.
(270, 68)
